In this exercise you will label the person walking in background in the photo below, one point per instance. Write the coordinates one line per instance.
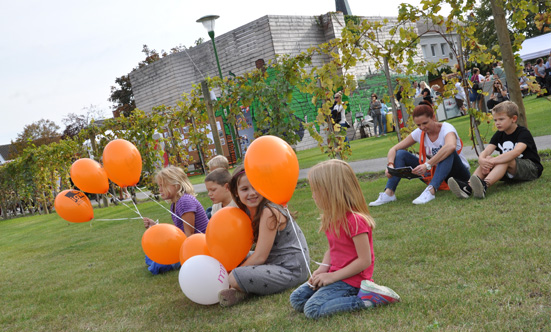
(384, 112)
(477, 83)
(541, 75)
(499, 73)
(375, 113)
(417, 89)
(460, 97)
(338, 114)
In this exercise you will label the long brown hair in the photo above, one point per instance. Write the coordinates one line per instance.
(238, 173)
(494, 85)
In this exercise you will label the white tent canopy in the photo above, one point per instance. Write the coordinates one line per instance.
(537, 47)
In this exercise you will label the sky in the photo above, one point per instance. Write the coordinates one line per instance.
(59, 57)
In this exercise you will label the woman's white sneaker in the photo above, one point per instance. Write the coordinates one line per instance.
(383, 199)
(425, 197)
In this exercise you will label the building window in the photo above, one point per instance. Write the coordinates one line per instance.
(433, 49)
(424, 48)
(443, 47)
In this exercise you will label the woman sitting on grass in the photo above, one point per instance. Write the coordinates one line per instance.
(443, 148)
(280, 259)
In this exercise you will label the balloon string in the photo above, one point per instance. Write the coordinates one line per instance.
(116, 219)
(299, 243)
(118, 200)
(138, 211)
(172, 213)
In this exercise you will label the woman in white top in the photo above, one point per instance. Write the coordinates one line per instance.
(443, 149)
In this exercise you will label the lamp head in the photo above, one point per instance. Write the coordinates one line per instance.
(208, 22)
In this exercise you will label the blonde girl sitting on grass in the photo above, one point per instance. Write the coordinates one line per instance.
(343, 282)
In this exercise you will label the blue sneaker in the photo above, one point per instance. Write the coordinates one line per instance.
(376, 295)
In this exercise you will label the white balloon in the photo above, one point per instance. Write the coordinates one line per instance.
(201, 278)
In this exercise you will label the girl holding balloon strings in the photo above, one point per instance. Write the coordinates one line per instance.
(187, 213)
(343, 282)
(280, 258)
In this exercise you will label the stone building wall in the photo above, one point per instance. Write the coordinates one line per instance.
(163, 81)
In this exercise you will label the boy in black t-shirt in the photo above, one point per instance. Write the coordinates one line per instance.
(518, 158)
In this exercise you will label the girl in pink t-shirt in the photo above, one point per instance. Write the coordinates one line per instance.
(343, 282)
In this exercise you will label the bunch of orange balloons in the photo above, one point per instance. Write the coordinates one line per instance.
(122, 164)
(228, 239)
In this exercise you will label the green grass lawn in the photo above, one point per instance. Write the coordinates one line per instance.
(477, 265)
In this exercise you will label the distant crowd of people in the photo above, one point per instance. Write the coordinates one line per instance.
(541, 69)
(429, 95)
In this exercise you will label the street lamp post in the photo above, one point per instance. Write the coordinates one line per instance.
(208, 23)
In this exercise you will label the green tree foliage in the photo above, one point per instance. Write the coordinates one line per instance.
(74, 123)
(37, 133)
(122, 96)
(537, 21)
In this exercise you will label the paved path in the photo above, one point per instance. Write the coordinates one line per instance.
(379, 164)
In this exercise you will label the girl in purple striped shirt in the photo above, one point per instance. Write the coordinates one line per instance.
(187, 213)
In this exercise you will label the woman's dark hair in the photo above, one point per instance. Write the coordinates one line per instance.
(424, 108)
(538, 61)
(238, 173)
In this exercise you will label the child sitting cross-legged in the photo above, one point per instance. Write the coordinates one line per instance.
(280, 258)
(344, 280)
(518, 158)
(217, 183)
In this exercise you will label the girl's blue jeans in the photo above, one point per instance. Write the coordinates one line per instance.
(327, 300)
(452, 166)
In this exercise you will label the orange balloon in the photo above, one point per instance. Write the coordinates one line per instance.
(194, 245)
(74, 206)
(229, 236)
(162, 243)
(272, 168)
(122, 162)
(88, 175)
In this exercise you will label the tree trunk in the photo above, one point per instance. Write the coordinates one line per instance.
(477, 140)
(508, 60)
(45, 203)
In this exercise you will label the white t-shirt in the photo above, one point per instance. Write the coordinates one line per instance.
(460, 91)
(341, 110)
(432, 148)
(216, 207)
